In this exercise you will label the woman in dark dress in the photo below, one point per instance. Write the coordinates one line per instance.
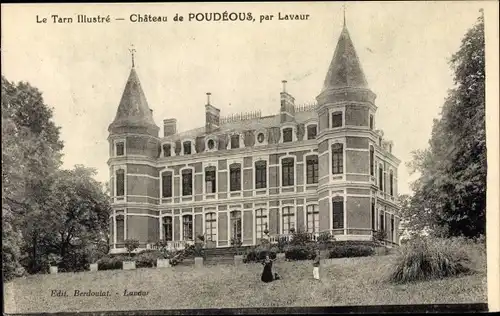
(267, 274)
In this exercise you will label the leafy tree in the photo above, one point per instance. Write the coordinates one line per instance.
(131, 245)
(450, 195)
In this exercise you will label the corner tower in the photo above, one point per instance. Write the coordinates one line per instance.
(133, 148)
(346, 113)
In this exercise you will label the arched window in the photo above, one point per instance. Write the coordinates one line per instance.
(338, 212)
(120, 182)
(312, 169)
(260, 174)
(260, 223)
(287, 172)
(391, 182)
(210, 186)
(312, 131)
(210, 226)
(235, 177)
(312, 219)
(187, 182)
(337, 158)
(166, 181)
(120, 228)
(187, 227)
(372, 161)
(288, 216)
(336, 119)
(167, 228)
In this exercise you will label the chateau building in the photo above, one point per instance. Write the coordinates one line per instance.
(318, 168)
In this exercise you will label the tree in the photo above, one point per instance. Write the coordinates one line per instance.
(450, 195)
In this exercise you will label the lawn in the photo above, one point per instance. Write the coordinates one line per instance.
(348, 281)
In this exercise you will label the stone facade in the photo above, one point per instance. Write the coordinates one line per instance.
(316, 168)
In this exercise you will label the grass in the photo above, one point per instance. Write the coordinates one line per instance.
(347, 281)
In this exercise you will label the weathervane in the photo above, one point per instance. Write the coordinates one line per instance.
(344, 13)
(132, 51)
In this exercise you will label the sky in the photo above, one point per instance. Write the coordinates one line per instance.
(81, 69)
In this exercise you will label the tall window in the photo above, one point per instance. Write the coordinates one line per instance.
(288, 215)
(235, 141)
(287, 172)
(167, 228)
(166, 181)
(120, 149)
(210, 226)
(236, 225)
(235, 177)
(312, 219)
(312, 169)
(380, 178)
(260, 223)
(371, 121)
(260, 174)
(391, 182)
(338, 212)
(381, 221)
(312, 131)
(166, 150)
(187, 227)
(210, 180)
(120, 228)
(187, 182)
(392, 227)
(337, 158)
(287, 135)
(187, 148)
(120, 182)
(372, 161)
(373, 214)
(336, 119)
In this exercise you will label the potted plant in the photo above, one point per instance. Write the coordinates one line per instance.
(199, 252)
(165, 261)
(54, 261)
(130, 245)
(282, 243)
(238, 256)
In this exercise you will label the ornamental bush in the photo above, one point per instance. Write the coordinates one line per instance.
(301, 252)
(346, 250)
(258, 253)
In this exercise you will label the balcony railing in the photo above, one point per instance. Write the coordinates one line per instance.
(273, 239)
(172, 245)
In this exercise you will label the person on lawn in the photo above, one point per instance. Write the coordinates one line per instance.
(267, 274)
(316, 264)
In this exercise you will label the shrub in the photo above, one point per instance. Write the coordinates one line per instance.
(350, 250)
(282, 243)
(325, 240)
(300, 252)
(259, 253)
(147, 258)
(300, 238)
(111, 262)
(380, 235)
(236, 243)
(426, 259)
(131, 245)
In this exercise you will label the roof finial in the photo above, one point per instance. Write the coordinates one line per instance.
(132, 51)
(344, 13)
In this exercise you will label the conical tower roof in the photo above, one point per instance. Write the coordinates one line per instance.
(345, 69)
(133, 110)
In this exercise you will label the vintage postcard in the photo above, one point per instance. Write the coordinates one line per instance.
(268, 157)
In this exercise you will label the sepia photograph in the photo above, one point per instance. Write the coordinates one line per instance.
(271, 157)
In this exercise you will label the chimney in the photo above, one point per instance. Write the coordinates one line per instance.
(287, 108)
(169, 127)
(212, 116)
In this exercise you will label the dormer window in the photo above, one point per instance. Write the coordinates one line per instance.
(287, 135)
(312, 131)
(167, 148)
(235, 141)
(260, 138)
(336, 119)
(120, 149)
(211, 144)
(187, 147)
